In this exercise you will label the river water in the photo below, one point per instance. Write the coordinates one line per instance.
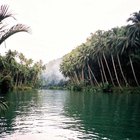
(65, 115)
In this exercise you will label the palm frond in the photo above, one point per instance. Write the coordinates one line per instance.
(15, 29)
(4, 13)
(135, 17)
(3, 106)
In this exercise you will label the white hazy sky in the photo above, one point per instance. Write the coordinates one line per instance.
(58, 26)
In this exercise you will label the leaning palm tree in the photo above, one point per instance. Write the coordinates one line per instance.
(133, 35)
(6, 33)
(98, 55)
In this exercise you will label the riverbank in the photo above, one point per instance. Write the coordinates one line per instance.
(63, 114)
(132, 90)
(105, 89)
(22, 88)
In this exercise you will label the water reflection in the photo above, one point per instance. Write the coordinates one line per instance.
(110, 116)
(20, 104)
(64, 115)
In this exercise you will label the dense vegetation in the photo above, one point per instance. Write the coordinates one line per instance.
(15, 69)
(107, 57)
(19, 71)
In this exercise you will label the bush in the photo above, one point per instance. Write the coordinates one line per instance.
(6, 84)
(3, 107)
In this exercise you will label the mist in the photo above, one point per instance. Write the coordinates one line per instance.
(52, 76)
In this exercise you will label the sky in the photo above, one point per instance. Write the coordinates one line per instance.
(58, 26)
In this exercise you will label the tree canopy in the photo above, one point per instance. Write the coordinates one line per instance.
(107, 57)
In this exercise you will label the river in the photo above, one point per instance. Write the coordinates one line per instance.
(65, 115)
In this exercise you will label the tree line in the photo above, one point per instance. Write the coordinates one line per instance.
(107, 57)
(19, 70)
(15, 69)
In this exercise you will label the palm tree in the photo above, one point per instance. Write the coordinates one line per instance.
(107, 55)
(98, 54)
(6, 33)
(134, 29)
(115, 46)
(37, 68)
(133, 35)
(119, 38)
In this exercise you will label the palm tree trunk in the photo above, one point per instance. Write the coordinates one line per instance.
(115, 71)
(72, 79)
(132, 67)
(20, 82)
(35, 79)
(93, 75)
(76, 78)
(83, 74)
(80, 75)
(16, 82)
(90, 78)
(108, 69)
(101, 71)
(25, 81)
(126, 83)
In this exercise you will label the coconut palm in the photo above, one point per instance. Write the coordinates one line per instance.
(133, 42)
(107, 56)
(7, 32)
(120, 38)
(98, 54)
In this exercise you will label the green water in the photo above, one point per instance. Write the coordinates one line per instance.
(65, 115)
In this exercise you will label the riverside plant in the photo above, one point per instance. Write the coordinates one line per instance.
(3, 107)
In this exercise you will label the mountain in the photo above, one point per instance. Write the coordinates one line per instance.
(52, 76)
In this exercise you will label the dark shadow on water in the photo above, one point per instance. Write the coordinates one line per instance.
(90, 115)
(15, 101)
(112, 116)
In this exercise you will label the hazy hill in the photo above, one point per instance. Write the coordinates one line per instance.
(52, 75)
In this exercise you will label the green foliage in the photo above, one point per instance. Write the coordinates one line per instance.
(6, 84)
(3, 107)
(110, 57)
(22, 74)
(13, 73)
(22, 88)
(75, 87)
(107, 88)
